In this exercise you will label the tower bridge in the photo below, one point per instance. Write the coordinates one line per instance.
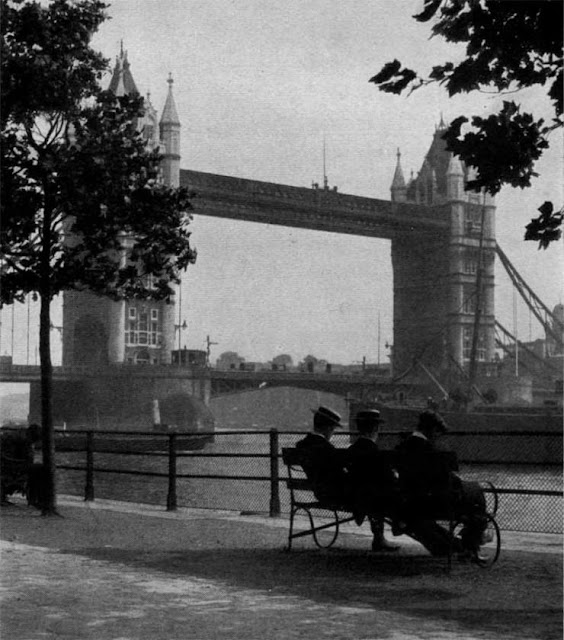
(439, 233)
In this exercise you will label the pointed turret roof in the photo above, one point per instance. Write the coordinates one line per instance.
(170, 115)
(438, 158)
(398, 182)
(122, 82)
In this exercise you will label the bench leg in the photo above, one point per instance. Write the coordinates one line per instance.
(315, 529)
(291, 531)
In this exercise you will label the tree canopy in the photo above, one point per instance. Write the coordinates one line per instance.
(283, 360)
(510, 45)
(82, 203)
(79, 185)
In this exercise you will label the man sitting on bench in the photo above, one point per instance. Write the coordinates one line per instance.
(374, 482)
(430, 489)
(325, 464)
(325, 468)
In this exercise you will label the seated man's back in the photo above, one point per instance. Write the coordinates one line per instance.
(368, 466)
(423, 468)
(324, 467)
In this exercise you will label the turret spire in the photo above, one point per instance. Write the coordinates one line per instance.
(170, 136)
(170, 115)
(398, 182)
(122, 82)
(398, 187)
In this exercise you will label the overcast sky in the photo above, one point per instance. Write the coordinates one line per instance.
(258, 85)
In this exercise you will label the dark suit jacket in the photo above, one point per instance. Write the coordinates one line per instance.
(366, 467)
(325, 469)
(373, 481)
(421, 473)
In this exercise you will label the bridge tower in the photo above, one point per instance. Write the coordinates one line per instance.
(97, 330)
(436, 275)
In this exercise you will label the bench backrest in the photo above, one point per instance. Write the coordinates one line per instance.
(434, 466)
(295, 457)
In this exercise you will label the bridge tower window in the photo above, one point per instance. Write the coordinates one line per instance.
(467, 335)
(144, 327)
(470, 263)
(473, 220)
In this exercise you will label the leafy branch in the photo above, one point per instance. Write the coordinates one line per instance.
(510, 45)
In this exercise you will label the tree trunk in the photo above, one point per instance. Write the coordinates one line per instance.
(49, 507)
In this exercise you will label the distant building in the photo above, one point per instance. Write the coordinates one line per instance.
(229, 360)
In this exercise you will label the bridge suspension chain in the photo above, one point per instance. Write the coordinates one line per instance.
(502, 344)
(551, 324)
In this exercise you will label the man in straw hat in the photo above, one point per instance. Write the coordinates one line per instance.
(325, 466)
(374, 482)
(326, 469)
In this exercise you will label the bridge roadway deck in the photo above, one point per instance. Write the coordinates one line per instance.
(32, 373)
(221, 381)
(307, 208)
(338, 383)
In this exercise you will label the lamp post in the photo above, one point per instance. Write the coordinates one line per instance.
(180, 328)
(209, 343)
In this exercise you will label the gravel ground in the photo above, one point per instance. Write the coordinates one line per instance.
(113, 574)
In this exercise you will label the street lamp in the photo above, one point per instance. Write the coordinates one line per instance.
(180, 328)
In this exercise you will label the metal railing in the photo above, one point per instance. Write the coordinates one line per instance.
(240, 470)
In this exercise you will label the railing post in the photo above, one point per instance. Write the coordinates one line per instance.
(274, 475)
(89, 488)
(171, 495)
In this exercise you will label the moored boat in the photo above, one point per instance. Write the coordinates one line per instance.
(489, 434)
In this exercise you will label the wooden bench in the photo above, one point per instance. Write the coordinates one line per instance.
(302, 498)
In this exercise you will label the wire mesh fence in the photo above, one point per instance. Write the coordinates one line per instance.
(242, 471)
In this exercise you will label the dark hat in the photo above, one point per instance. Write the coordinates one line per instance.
(328, 414)
(432, 420)
(369, 414)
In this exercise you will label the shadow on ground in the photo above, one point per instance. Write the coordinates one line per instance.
(490, 601)
(520, 597)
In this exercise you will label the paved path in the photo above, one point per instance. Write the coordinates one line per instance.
(122, 571)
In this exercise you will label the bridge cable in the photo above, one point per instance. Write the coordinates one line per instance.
(522, 346)
(535, 304)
